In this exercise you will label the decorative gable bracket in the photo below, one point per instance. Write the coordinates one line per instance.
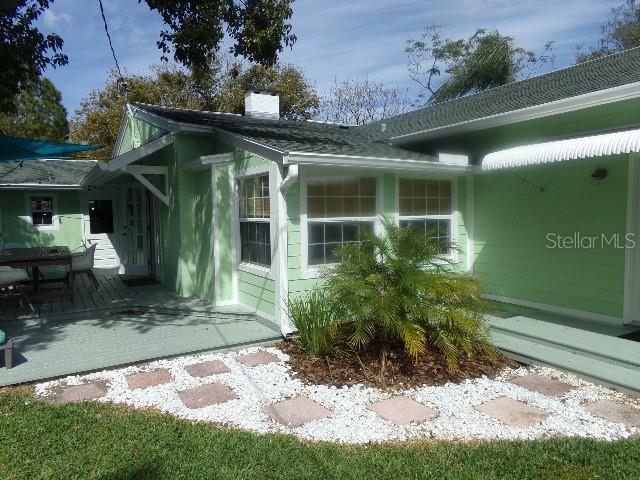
(139, 171)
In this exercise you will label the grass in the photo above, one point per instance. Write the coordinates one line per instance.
(97, 441)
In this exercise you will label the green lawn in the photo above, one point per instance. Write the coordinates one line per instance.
(91, 440)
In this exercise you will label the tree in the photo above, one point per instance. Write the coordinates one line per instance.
(298, 97)
(622, 31)
(221, 88)
(447, 69)
(24, 51)
(356, 102)
(38, 114)
(258, 30)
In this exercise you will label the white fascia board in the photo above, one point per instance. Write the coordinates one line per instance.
(121, 130)
(303, 158)
(140, 152)
(232, 139)
(587, 100)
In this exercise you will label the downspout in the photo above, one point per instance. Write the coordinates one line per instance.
(290, 179)
(282, 285)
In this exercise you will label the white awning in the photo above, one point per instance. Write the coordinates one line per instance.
(571, 149)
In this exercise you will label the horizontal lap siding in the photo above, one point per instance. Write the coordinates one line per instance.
(513, 218)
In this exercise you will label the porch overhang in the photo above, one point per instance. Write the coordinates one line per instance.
(615, 143)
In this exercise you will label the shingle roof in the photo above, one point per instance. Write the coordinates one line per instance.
(607, 72)
(290, 136)
(50, 172)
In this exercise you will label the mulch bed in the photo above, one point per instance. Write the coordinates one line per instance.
(342, 368)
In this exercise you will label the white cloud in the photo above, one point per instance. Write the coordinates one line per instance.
(53, 20)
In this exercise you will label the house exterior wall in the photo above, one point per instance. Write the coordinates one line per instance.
(513, 218)
(301, 281)
(15, 224)
(255, 290)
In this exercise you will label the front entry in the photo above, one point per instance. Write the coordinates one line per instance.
(100, 227)
(116, 220)
(135, 252)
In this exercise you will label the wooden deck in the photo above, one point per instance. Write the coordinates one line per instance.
(119, 325)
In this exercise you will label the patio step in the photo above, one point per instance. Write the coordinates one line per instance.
(598, 371)
(603, 358)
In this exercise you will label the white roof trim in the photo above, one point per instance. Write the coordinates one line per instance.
(584, 147)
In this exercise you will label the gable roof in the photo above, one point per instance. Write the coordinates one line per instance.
(46, 173)
(598, 75)
(289, 137)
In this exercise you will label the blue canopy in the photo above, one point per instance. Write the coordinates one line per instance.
(17, 149)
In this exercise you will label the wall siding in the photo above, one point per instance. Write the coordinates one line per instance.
(513, 218)
(255, 291)
(389, 209)
(15, 225)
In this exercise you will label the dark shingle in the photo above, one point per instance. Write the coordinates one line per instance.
(290, 136)
(607, 72)
(52, 172)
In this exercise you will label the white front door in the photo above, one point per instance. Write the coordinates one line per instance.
(135, 249)
(100, 227)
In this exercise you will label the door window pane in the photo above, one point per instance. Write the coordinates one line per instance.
(100, 216)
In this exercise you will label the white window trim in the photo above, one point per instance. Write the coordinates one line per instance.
(55, 219)
(454, 216)
(315, 271)
(248, 267)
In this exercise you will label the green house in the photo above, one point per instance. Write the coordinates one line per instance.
(537, 182)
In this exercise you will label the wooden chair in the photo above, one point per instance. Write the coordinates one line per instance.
(11, 278)
(82, 263)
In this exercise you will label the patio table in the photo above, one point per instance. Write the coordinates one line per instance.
(36, 257)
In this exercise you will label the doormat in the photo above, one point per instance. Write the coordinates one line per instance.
(138, 281)
(635, 336)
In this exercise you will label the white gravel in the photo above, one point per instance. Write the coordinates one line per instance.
(351, 421)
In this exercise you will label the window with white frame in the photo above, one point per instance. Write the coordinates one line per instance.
(426, 204)
(255, 214)
(41, 208)
(339, 208)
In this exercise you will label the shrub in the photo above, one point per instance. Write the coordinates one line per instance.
(312, 314)
(395, 289)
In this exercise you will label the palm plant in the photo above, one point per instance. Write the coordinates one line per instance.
(395, 289)
(313, 316)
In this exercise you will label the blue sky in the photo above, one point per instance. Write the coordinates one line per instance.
(336, 38)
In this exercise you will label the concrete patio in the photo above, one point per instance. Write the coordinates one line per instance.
(118, 325)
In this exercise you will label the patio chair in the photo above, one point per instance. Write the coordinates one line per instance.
(11, 278)
(6, 344)
(82, 263)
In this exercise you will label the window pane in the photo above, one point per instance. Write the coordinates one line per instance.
(341, 197)
(316, 254)
(254, 197)
(101, 216)
(324, 250)
(404, 185)
(42, 218)
(255, 242)
(406, 206)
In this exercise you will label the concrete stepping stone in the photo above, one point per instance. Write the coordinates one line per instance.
(512, 412)
(206, 369)
(257, 358)
(80, 393)
(403, 410)
(296, 411)
(544, 385)
(206, 395)
(148, 379)
(615, 412)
